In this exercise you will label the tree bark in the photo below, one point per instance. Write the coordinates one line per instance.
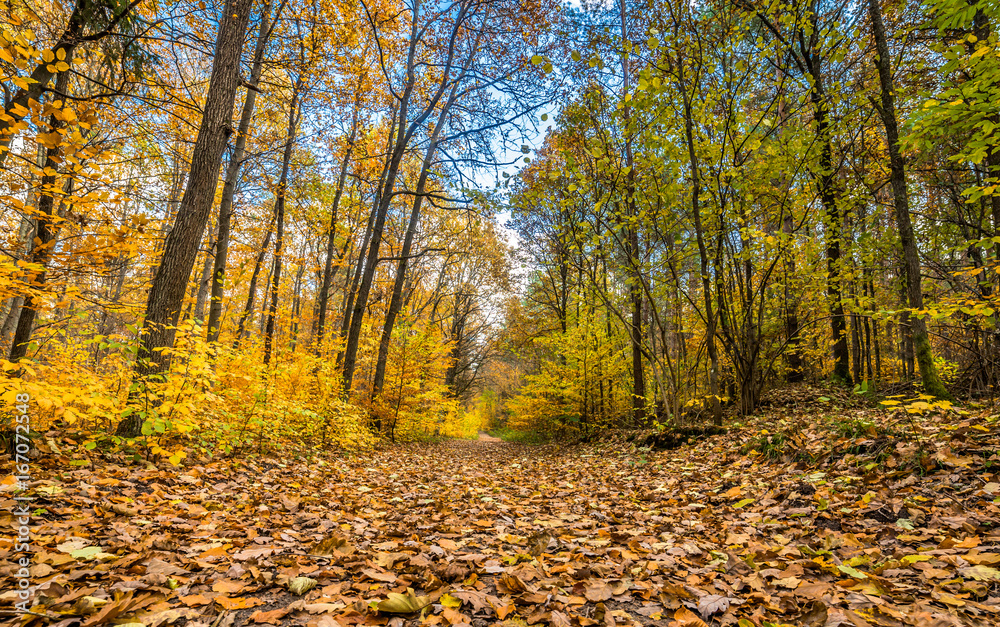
(324, 292)
(838, 323)
(405, 132)
(901, 203)
(297, 305)
(632, 249)
(380, 212)
(232, 178)
(793, 354)
(279, 218)
(252, 291)
(396, 300)
(43, 241)
(355, 281)
(205, 278)
(181, 247)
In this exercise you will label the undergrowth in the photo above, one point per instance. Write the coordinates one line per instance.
(508, 434)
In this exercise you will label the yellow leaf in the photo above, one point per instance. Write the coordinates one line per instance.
(407, 603)
(449, 601)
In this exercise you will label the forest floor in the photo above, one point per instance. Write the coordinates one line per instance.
(854, 517)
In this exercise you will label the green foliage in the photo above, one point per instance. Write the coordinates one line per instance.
(509, 434)
(772, 446)
(854, 427)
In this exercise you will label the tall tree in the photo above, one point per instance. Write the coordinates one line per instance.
(458, 14)
(221, 258)
(279, 214)
(163, 304)
(901, 206)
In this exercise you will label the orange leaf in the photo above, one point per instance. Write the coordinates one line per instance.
(687, 618)
(239, 603)
(273, 617)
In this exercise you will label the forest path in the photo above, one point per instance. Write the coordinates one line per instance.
(486, 437)
(570, 537)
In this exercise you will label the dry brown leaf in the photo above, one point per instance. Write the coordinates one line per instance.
(273, 617)
(195, 600)
(686, 618)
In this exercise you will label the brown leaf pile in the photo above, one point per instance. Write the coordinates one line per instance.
(478, 533)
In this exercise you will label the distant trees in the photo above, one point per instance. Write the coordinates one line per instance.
(769, 185)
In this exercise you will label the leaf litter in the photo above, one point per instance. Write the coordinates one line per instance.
(481, 533)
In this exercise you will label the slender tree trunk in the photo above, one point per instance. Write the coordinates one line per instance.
(324, 292)
(838, 323)
(252, 292)
(232, 178)
(395, 301)
(355, 283)
(10, 319)
(181, 247)
(710, 318)
(404, 134)
(921, 341)
(279, 218)
(856, 369)
(351, 292)
(380, 212)
(205, 279)
(633, 251)
(296, 305)
(24, 248)
(43, 240)
(793, 355)
(265, 303)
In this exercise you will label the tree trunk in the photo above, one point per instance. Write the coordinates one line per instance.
(205, 278)
(838, 323)
(396, 300)
(405, 132)
(355, 283)
(921, 342)
(793, 355)
(279, 218)
(297, 305)
(252, 292)
(380, 212)
(232, 177)
(181, 245)
(44, 238)
(324, 292)
(633, 252)
(710, 318)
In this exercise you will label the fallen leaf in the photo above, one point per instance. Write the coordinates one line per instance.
(686, 618)
(408, 603)
(301, 585)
